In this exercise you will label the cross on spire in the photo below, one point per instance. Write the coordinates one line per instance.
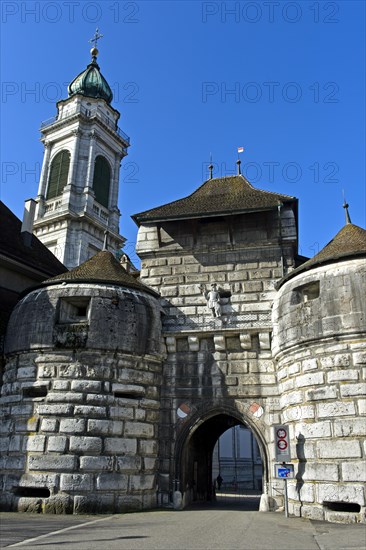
(96, 37)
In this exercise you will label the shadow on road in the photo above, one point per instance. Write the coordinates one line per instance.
(70, 542)
(229, 501)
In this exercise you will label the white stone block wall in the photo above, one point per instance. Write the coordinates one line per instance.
(216, 364)
(245, 276)
(80, 448)
(339, 309)
(80, 400)
(321, 381)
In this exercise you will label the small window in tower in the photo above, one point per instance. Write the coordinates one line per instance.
(305, 293)
(128, 391)
(35, 391)
(74, 310)
(101, 180)
(59, 172)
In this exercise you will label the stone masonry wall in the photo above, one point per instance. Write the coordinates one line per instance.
(216, 363)
(321, 368)
(243, 257)
(215, 379)
(114, 318)
(80, 400)
(79, 432)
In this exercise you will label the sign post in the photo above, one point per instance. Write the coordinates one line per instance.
(286, 498)
(284, 471)
(283, 454)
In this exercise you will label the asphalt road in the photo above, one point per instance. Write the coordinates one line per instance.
(195, 529)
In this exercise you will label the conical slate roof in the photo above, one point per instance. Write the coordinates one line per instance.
(91, 83)
(101, 268)
(218, 196)
(349, 242)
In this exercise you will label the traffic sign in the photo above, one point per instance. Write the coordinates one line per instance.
(284, 471)
(282, 443)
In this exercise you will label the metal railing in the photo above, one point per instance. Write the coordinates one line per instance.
(103, 214)
(89, 113)
(49, 121)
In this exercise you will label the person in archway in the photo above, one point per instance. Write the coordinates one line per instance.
(219, 481)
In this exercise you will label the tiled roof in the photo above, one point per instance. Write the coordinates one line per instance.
(349, 242)
(218, 196)
(102, 268)
(36, 256)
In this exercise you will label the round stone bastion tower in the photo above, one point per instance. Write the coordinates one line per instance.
(81, 394)
(319, 345)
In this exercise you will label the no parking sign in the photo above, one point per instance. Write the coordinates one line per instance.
(282, 443)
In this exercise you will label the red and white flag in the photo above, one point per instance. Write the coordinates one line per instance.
(240, 149)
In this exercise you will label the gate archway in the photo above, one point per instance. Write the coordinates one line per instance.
(194, 452)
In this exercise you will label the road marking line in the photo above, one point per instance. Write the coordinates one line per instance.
(27, 541)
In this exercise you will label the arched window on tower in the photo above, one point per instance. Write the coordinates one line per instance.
(59, 172)
(101, 180)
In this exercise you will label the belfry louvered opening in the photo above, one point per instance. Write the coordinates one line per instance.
(101, 180)
(59, 172)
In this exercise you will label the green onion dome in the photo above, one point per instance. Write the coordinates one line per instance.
(91, 82)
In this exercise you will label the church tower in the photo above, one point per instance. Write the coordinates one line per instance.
(78, 190)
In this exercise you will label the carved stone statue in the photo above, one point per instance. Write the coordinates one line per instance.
(213, 299)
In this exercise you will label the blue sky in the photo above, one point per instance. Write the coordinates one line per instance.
(285, 80)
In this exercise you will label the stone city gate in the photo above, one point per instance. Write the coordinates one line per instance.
(251, 327)
(194, 450)
(116, 389)
(118, 383)
(214, 258)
